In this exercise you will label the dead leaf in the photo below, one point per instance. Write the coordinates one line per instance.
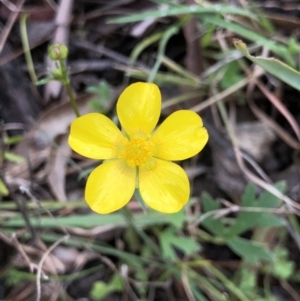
(38, 141)
(57, 167)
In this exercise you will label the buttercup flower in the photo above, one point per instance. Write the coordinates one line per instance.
(139, 156)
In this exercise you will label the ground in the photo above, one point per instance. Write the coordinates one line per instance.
(238, 238)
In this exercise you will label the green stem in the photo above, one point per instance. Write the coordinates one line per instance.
(209, 238)
(227, 123)
(128, 216)
(229, 284)
(66, 83)
(26, 49)
(161, 50)
(163, 44)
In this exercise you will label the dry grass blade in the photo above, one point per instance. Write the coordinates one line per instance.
(40, 265)
(266, 186)
(283, 134)
(224, 94)
(281, 108)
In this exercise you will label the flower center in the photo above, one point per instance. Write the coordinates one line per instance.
(137, 152)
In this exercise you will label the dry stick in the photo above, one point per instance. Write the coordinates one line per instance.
(21, 250)
(126, 279)
(258, 169)
(292, 292)
(40, 265)
(283, 134)
(15, 243)
(11, 56)
(220, 96)
(21, 206)
(274, 100)
(235, 208)
(186, 285)
(26, 191)
(255, 179)
(10, 23)
(252, 177)
(286, 137)
(262, 183)
(280, 107)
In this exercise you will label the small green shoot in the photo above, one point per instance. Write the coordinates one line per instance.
(101, 289)
(102, 95)
(247, 219)
(169, 239)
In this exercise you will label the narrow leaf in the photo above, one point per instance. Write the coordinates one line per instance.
(251, 251)
(170, 239)
(184, 9)
(214, 225)
(275, 67)
(13, 157)
(3, 188)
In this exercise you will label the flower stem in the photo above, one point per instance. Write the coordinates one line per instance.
(129, 218)
(66, 82)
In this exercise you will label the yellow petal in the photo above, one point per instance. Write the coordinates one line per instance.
(165, 188)
(110, 186)
(138, 108)
(180, 136)
(95, 136)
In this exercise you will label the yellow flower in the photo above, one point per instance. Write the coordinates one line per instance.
(138, 157)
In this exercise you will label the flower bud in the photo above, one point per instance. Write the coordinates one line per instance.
(58, 52)
(57, 74)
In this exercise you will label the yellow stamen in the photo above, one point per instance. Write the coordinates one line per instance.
(137, 151)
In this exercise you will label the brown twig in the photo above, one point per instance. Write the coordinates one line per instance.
(12, 19)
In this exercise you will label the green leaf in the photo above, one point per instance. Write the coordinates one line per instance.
(283, 267)
(275, 67)
(176, 219)
(132, 240)
(279, 49)
(248, 220)
(170, 239)
(182, 10)
(247, 279)
(44, 81)
(206, 39)
(92, 220)
(85, 173)
(13, 139)
(268, 299)
(251, 251)
(13, 157)
(198, 295)
(13, 276)
(103, 95)
(249, 195)
(3, 189)
(101, 289)
(269, 200)
(214, 225)
(232, 75)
